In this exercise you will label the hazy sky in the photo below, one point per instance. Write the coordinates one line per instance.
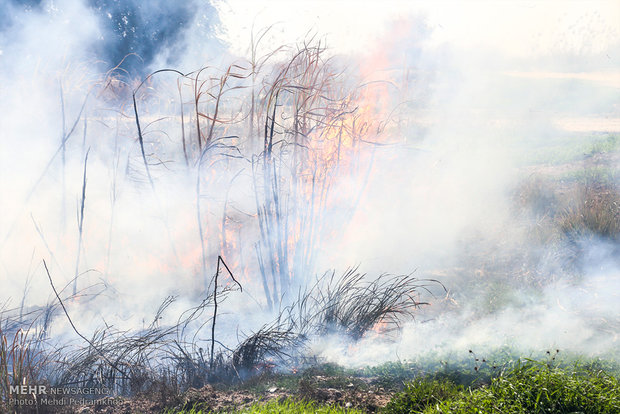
(516, 28)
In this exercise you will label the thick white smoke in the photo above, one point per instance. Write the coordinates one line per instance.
(474, 91)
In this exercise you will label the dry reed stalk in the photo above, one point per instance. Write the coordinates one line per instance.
(80, 224)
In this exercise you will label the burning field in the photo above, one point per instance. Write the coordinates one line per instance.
(352, 207)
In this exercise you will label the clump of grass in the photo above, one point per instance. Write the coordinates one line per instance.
(271, 341)
(530, 387)
(563, 219)
(349, 304)
(422, 393)
(598, 172)
(609, 143)
(157, 359)
(353, 305)
(597, 212)
(537, 195)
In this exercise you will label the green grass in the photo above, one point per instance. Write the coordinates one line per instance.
(422, 393)
(301, 407)
(570, 149)
(462, 368)
(604, 174)
(286, 406)
(531, 387)
(610, 143)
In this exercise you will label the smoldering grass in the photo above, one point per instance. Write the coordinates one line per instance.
(129, 366)
(305, 114)
(131, 363)
(306, 85)
(155, 358)
(353, 304)
(350, 305)
(266, 348)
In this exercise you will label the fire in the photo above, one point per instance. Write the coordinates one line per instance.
(278, 158)
(314, 130)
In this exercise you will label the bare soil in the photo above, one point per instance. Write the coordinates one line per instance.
(349, 392)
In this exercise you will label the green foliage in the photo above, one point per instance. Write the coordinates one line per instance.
(572, 148)
(392, 375)
(604, 174)
(296, 407)
(465, 368)
(285, 406)
(532, 387)
(610, 143)
(498, 381)
(422, 393)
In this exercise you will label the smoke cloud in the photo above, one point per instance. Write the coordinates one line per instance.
(470, 106)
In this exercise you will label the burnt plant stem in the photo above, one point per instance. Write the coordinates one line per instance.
(261, 265)
(220, 261)
(203, 248)
(146, 164)
(84, 133)
(141, 141)
(183, 124)
(44, 173)
(105, 358)
(197, 93)
(135, 110)
(217, 272)
(63, 152)
(80, 224)
(113, 196)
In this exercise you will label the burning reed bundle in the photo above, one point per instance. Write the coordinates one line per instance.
(292, 174)
(350, 305)
(312, 134)
(273, 344)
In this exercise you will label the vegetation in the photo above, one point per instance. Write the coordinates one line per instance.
(548, 384)
(531, 387)
(595, 212)
(295, 127)
(580, 148)
(287, 406)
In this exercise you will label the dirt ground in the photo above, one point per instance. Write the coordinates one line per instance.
(357, 393)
